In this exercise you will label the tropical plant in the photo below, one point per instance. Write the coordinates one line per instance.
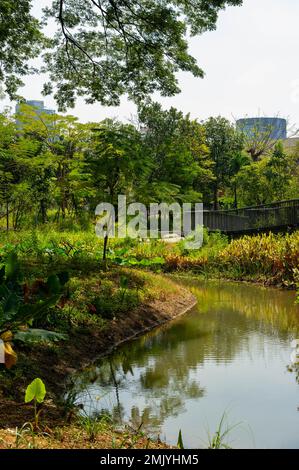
(18, 311)
(225, 144)
(36, 392)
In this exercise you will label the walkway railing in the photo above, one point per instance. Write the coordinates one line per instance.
(276, 216)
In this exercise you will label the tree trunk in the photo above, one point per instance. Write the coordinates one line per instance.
(43, 211)
(216, 205)
(105, 247)
(236, 197)
(7, 216)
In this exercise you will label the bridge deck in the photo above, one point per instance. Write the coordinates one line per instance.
(282, 215)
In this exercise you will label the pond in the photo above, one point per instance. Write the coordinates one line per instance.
(228, 356)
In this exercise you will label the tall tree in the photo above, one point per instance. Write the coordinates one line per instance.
(178, 163)
(115, 163)
(238, 161)
(7, 165)
(224, 143)
(260, 140)
(278, 172)
(62, 141)
(253, 184)
(114, 160)
(14, 187)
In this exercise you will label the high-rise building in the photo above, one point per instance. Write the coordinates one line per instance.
(39, 105)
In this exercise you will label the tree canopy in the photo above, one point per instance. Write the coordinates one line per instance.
(20, 40)
(103, 49)
(53, 167)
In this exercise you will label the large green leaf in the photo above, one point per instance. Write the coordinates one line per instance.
(158, 260)
(35, 335)
(35, 391)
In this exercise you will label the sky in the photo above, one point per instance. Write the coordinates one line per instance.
(250, 64)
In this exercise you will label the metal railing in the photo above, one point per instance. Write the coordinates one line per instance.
(278, 215)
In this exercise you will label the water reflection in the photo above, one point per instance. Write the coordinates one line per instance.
(230, 351)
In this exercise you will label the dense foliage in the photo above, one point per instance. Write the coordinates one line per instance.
(271, 258)
(20, 40)
(53, 168)
(104, 49)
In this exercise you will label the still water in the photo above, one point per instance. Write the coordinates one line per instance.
(228, 355)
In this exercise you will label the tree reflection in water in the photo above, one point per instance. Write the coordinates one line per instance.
(161, 371)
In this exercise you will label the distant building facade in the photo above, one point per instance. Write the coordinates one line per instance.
(39, 105)
(264, 125)
(39, 108)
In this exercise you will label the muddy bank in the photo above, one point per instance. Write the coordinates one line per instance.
(54, 365)
(83, 349)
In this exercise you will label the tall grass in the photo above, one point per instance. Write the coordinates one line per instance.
(271, 257)
(276, 256)
(219, 439)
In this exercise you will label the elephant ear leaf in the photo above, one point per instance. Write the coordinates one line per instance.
(35, 391)
(35, 335)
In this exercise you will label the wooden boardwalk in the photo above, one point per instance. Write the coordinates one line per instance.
(279, 216)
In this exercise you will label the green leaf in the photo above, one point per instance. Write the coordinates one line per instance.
(11, 304)
(145, 262)
(124, 282)
(158, 260)
(35, 335)
(35, 391)
(180, 443)
(53, 284)
(12, 266)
